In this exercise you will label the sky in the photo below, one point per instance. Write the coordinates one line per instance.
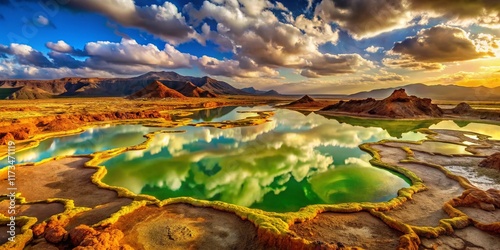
(294, 47)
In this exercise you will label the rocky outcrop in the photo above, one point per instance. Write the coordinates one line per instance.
(492, 161)
(156, 90)
(397, 105)
(24, 129)
(307, 104)
(85, 237)
(462, 108)
(304, 99)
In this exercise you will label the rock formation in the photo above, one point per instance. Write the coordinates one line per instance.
(462, 108)
(397, 105)
(304, 99)
(492, 161)
(156, 90)
(189, 89)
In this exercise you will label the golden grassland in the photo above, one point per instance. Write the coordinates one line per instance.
(18, 109)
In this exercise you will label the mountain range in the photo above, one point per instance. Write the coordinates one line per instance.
(253, 91)
(80, 87)
(191, 86)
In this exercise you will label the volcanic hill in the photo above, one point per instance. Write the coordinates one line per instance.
(156, 90)
(397, 105)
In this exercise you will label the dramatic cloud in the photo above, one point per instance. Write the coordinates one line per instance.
(261, 38)
(482, 12)
(164, 21)
(440, 44)
(427, 50)
(365, 18)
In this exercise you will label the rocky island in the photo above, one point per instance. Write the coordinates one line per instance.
(397, 105)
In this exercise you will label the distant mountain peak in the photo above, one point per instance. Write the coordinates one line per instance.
(159, 75)
(253, 91)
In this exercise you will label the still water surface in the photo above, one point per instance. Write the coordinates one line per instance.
(293, 161)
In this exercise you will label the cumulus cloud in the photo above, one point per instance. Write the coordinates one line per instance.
(427, 50)
(12, 70)
(62, 47)
(124, 58)
(165, 21)
(26, 55)
(129, 52)
(373, 49)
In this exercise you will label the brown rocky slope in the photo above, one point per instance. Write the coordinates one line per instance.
(493, 161)
(397, 105)
(156, 90)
